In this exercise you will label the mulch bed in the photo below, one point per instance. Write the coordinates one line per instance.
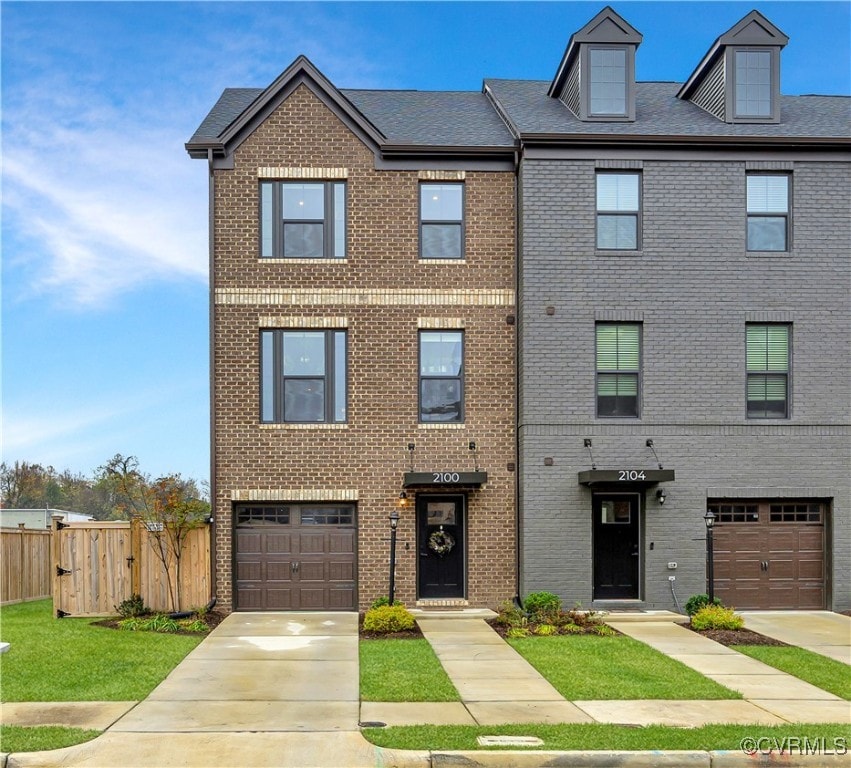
(502, 630)
(736, 636)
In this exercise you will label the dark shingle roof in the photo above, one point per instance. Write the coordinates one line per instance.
(230, 105)
(433, 118)
(658, 112)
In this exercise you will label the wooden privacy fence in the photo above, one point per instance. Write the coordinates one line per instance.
(100, 564)
(25, 571)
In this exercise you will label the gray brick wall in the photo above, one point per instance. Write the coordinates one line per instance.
(694, 287)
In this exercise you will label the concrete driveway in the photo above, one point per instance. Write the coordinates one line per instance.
(822, 632)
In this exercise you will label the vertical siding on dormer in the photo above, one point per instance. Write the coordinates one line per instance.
(570, 92)
(710, 93)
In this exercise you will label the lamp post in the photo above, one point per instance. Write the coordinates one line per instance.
(709, 519)
(394, 523)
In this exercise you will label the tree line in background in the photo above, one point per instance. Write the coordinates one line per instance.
(117, 490)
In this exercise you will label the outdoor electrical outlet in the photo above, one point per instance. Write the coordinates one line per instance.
(672, 578)
(672, 566)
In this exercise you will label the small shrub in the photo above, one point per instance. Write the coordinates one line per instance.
(716, 617)
(545, 630)
(603, 630)
(388, 618)
(542, 606)
(696, 602)
(133, 606)
(159, 622)
(516, 632)
(510, 615)
(571, 629)
(193, 625)
(380, 601)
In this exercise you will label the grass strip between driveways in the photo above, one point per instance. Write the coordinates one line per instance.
(821, 671)
(402, 670)
(588, 667)
(16, 738)
(70, 660)
(603, 736)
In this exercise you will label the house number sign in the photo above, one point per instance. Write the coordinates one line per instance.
(641, 476)
(445, 477)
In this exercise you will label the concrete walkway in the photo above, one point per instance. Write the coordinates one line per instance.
(822, 632)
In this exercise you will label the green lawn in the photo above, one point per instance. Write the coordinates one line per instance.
(583, 667)
(600, 736)
(825, 673)
(402, 670)
(14, 738)
(71, 660)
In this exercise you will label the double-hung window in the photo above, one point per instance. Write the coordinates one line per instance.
(768, 212)
(302, 376)
(618, 211)
(441, 376)
(301, 220)
(441, 221)
(618, 369)
(767, 352)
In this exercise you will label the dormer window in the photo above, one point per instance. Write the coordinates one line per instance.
(607, 86)
(738, 80)
(596, 77)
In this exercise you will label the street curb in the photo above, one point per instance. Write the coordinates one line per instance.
(553, 759)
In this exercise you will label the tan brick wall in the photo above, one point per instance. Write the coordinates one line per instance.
(366, 457)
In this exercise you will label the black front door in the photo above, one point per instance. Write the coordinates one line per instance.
(616, 552)
(440, 543)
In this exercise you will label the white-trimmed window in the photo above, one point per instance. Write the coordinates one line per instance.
(768, 212)
(302, 220)
(618, 211)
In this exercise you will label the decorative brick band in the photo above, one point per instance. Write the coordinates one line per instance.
(272, 321)
(453, 262)
(448, 323)
(637, 164)
(294, 494)
(302, 261)
(619, 316)
(770, 316)
(769, 165)
(482, 297)
(442, 175)
(441, 425)
(771, 492)
(322, 425)
(268, 172)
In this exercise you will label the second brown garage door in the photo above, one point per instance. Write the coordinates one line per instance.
(769, 554)
(298, 557)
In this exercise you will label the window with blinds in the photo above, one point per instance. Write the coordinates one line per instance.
(767, 371)
(768, 212)
(618, 211)
(618, 369)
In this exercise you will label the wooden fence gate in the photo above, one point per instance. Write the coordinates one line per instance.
(24, 564)
(100, 564)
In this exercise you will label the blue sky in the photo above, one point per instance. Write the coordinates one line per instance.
(104, 217)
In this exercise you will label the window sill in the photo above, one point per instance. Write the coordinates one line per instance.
(441, 261)
(307, 425)
(302, 261)
(618, 253)
(768, 254)
(441, 425)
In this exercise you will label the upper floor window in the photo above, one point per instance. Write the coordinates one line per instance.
(618, 368)
(441, 376)
(768, 212)
(302, 220)
(302, 376)
(753, 84)
(441, 221)
(767, 353)
(608, 82)
(618, 211)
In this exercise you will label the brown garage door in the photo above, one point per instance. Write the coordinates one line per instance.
(770, 553)
(298, 557)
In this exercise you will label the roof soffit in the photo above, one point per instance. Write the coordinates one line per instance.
(608, 28)
(753, 29)
(300, 72)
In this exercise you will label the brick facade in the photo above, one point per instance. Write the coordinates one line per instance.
(381, 294)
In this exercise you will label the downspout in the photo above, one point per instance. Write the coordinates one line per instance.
(213, 485)
(517, 474)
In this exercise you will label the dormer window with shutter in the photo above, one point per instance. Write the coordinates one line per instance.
(738, 80)
(596, 77)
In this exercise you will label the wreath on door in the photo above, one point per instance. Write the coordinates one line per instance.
(441, 542)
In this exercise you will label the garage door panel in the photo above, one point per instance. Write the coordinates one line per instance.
(811, 598)
(279, 570)
(811, 569)
(341, 542)
(811, 540)
(249, 543)
(312, 543)
(250, 599)
(279, 543)
(312, 599)
(782, 568)
(279, 600)
(251, 570)
(312, 570)
(341, 599)
(341, 571)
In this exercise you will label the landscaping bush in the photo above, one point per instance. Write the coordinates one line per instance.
(716, 617)
(159, 622)
(696, 602)
(380, 601)
(515, 632)
(545, 630)
(133, 606)
(510, 615)
(542, 606)
(388, 618)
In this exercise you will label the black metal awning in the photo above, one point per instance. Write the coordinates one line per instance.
(639, 477)
(444, 478)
